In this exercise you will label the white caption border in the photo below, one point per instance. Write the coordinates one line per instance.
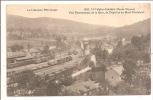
(3, 54)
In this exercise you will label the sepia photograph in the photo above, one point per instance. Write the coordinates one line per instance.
(78, 49)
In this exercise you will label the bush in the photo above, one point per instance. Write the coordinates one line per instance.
(16, 47)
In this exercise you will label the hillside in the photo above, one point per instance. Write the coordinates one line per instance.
(43, 26)
(46, 25)
(139, 28)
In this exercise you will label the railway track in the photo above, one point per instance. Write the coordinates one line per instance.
(58, 68)
(26, 67)
(44, 68)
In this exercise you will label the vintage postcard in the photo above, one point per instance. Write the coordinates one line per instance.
(89, 49)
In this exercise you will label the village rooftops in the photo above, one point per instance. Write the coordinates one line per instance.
(82, 86)
(113, 74)
(32, 50)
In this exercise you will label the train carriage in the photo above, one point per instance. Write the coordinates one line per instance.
(59, 60)
(20, 62)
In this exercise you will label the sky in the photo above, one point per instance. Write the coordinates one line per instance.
(62, 11)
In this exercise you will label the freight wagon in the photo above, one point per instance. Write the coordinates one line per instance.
(17, 62)
(59, 60)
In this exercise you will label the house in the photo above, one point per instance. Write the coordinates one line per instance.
(125, 41)
(52, 47)
(82, 88)
(108, 47)
(112, 77)
(33, 52)
(85, 67)
(85, 47)
(113, 74)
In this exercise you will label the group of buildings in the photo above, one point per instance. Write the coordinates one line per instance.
(90, 69)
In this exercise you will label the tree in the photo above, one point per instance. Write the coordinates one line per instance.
(122, 88)
(46, 50)
(60, 41)
(53, 88)
(129, 70)
(24, 78)
(99, 53)
(128, 51)
(148, 84)
(105, 54)
(137, 42)
(119, 44)
(16, 47)
(27, 81)
(146, 57)
(117, 54)
(29, 46)
(131, 52)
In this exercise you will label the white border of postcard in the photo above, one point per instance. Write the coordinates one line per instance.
(3, 54)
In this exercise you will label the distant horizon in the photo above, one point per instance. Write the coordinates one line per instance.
(80, 21)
